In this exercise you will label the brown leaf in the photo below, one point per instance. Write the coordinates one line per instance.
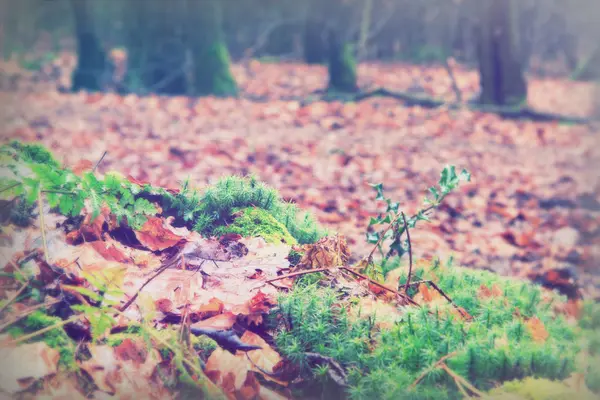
(156, 235)
(82, 166)
(485, 292)
(222, 321)
(28, 362)
(330, 251)
(537, 330)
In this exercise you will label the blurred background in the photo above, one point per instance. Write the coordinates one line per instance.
(319, 98)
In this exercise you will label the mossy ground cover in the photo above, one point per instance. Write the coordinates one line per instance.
(513, 331)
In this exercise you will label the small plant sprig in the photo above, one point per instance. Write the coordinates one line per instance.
(398, 224)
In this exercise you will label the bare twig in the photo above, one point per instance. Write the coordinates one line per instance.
(410, 256)
(99, 161)
(14, 297)
(4, 189)
(382, 286)
(47, 329)
(462, 380)
(298, 273)
(455, 87)
(25, 313)
(434, 366)
(42, 227)
(159, 271)
(440, 291)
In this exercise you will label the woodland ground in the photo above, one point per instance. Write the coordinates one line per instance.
(534, 199)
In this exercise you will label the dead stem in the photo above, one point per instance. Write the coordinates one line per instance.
(14, 297)
(25, 313)
(374, 282)
(298, 273)
(434, 366)
(42, 227)
(47, 329)
(462, 380)
(410, 256)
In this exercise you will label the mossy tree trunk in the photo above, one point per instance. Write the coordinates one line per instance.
(342, 65)
(210, 73)
(91, 57)
(500, 67)
(315, 29)
(155, 46)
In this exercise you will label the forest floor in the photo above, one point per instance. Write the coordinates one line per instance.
(533, 204)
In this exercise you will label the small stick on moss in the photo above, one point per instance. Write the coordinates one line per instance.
(410, 257)
(14, 297)
(374, 282)
(437, 364)
(25, 313)
(462, 380)
(47, 329)
(298, 273)
(42, 227)
(440, 291)
(99, 161)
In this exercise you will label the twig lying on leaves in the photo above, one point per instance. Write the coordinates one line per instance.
(298, 273)
(26, 312)
(14, 297)
(99, 161)
(159, 271)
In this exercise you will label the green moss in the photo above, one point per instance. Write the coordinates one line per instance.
(34, 153)
(383, 361)
(55, 338)
(254, 222)
(540, 389)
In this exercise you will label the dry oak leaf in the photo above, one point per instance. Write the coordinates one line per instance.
(156, 234)
(330, 251)
(537, 329)
(24, 364)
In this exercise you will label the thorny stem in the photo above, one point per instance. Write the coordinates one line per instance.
(410, 256)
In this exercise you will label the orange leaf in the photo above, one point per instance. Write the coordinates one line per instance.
(537, 329)
(156, 236)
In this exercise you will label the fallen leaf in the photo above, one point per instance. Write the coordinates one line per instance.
(537, 330)
(157, 235)
(24, 364)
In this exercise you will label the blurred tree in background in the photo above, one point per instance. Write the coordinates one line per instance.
(184, 46)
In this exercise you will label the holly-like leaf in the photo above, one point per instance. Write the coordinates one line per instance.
(379, 188)
(372, 237)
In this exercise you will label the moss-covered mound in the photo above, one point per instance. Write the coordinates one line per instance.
(216, 209)
(513, 332)
(255, 222)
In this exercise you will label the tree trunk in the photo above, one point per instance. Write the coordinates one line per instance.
(315, 28)
(500, 69)
(155, 47)
(211, 74)
(91, 58)
(342, 65)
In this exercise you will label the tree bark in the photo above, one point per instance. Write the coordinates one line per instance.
(501, 74)
(91, 57)
(315, 29)
(211, 73)
(342, 65)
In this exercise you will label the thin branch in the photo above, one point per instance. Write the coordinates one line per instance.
(10, 187)
(410, 255)
(457, 92)
(298, 273)
(14, 297)
(47, 329)
(440, 291)
(159, 271)
(57, 191)
(99, 161)
(431, 368)
(25, 313)
(382, 286)
(462, 380)
(381, 238)
(43, 227)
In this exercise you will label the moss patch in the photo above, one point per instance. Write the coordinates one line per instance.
(539, 389)
(253, 222)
